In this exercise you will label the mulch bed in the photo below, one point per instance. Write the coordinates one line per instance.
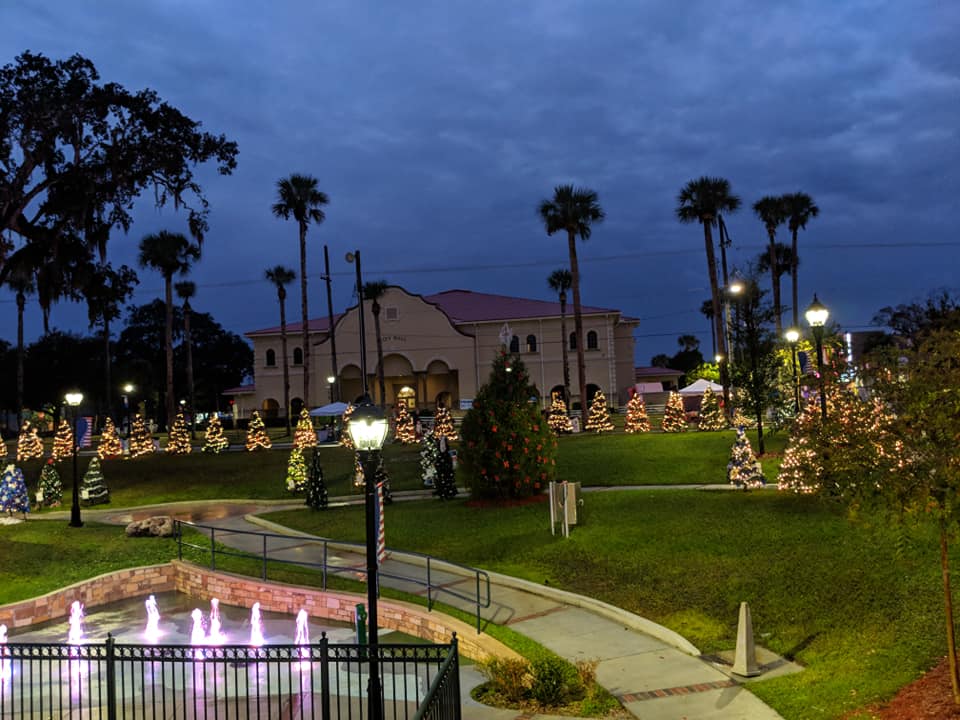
(929, 698)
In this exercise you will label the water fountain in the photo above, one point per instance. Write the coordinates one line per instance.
(197, 636)
(302, 638)
(215, 636)
(152, 631)
(256, 626)
(75, 636)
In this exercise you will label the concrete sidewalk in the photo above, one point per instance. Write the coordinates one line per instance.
(655, 673)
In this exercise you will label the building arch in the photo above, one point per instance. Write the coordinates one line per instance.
(397, 365)
(270, 408)
(296, 405)
(592, 340)
(573, 341)
(444, 399)
(298, 356)
(271, 357)
(531, 343)
(592, 390)
(560, 391)
(514, 344)
(438, 366)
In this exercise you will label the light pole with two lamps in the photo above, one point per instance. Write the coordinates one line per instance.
(817, 315)
(73, 400)
(793, 336)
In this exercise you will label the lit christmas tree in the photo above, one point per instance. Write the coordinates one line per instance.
(214, 440)
(429, 452)
(801, 469)
(674, 416)
(28, 444)
(317, 495)
(296, 472)
(741, 420)
(443, 426)
(3, 447)
(358, 478)
(711, 414)
(446, 483)
(257, 438)
(93, 489)
(345, 438)
(110, 445)
(178, 442)
(558, 420)
(599, 418)
(50, 488)
(140, 441)
(62, 442)
(743, 469)
(304, 436)
(14, 497)
(406, 432)
(637, 420)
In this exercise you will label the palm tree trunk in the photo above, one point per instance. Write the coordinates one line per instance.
(948, 611)
(566, 355)
(168, 341)
(21, 305)
(189, 340)
(793, 276)
(717, 315)
(283, 351)
(775, 281)
(578, 323)
(375, 309)
(106, 365)
(304, 315)
(330, 329)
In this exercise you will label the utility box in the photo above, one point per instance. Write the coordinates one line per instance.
(572, 503)
(565, 505)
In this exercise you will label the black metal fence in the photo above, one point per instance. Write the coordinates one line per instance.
(323, 681)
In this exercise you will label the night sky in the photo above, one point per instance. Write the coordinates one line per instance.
(437, 127)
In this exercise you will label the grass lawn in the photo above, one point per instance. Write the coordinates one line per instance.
(855, 604)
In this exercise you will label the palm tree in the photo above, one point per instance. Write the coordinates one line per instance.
(702, 200)
(783, 258)
(281, 276)
(170, 254)
(573, 210)
(773, 214)
(799, 208)
(707, 311)
(560, 281)
(373, 291)
(186, 290)
(299, 197)
(20, 280)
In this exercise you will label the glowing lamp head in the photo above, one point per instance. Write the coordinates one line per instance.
(128, 388)
(331, 379)
(792, 335)
(817, 313)
(718, 358)
(735, 288)
(367, 426)
(73, 398)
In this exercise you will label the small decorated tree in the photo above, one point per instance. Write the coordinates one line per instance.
(215, 441)
(28, 444)
(674, 416)
(93, 489)
(345, 438)
(304, 436)
(178, 443)
(711, 414)
(801, 469)
(110, 445)
(141, 441)
(317, 495)
(637, 420)
(257, 438)
(446, 483)
(443, 426)
(406, 432)
(296, 472)
(743, 469)
(3, 447)
(62, 442)
(429, 452)
(558, 420)
(49, 488)
(598, 419)
(381, 476)
(14, 497)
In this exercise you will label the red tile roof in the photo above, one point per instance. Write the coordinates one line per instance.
(469, 306)
(646, 372)
(240, 390)
(316, 325)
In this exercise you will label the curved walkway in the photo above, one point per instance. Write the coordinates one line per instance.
(655, 673)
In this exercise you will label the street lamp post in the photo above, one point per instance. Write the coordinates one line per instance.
(817, 315)
(73, 400)
(331, 379)
(793, 336)
(128, 389)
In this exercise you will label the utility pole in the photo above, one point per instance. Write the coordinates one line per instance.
(330, 333)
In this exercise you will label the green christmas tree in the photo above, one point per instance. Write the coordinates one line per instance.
(507, 450)
(406, 432)
(637, 420)
(296, 472)
(443, 426)
(674, 416)
(214, 440)
(257, 437)
(93, 489)
(598, 420)
(317, 495)
(49, 488)
(558, 420)
(304, 436)
(429, 452)
(743, 469)
(711, 414)
(446, 483)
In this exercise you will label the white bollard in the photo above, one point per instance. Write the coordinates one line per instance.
(745, 657)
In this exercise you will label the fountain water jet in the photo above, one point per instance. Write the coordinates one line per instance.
(152, 631)
(256, 626)
(303, 637)
(215, 636)
(75, 636)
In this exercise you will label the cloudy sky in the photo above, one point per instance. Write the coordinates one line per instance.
(436, 127)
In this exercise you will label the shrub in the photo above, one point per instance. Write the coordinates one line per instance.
(555, 681)
(509, 678)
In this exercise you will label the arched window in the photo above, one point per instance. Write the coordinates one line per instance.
(592, 340)
(514, 344)
(297, 356)
(271, 358)
(573, 341)
(531, 343)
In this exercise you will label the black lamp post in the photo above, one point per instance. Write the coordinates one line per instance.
(73, 400)
(793, 336)
(817, 315)
(128, 389)
(331, 379)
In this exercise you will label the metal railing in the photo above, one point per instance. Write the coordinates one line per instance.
(325, 681)
(267, 554)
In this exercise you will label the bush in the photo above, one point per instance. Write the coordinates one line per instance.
(509, 678)
(555, 681)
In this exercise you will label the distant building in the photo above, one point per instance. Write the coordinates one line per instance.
(439, 349)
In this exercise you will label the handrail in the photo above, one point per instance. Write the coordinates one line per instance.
(479, 599)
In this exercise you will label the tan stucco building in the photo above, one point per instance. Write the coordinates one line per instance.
(439, 349)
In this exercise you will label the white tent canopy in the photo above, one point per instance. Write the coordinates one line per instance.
(333, 409)
(697, 387)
